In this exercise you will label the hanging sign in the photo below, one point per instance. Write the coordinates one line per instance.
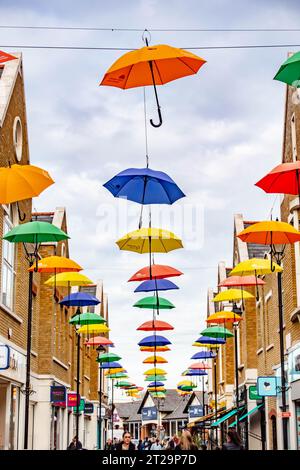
(195, 411)
(4, 357)
(253, 394)
(267, 386)
(88, 408)
(149, 413)
(58, 395)
(72, 399)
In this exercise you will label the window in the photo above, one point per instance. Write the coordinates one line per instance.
(294, 139)
(8, 262)
(1, 71)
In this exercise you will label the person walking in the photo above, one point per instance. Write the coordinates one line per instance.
(233, 441)
(186, 443)
(146, 444)
(156, 445)
(75, 444)
(108, 445)
(126, 443)
(140, 445)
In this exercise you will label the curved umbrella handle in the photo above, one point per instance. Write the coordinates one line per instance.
(160, 119)
(22, 216)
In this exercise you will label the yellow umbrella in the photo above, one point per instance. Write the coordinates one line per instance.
(188, 383)
(208, 346)
(154, 240)
(155, 360)
(18, 182)
(115, 371)
(257, 266)
(156, 389)
(155, 371)
(223, 317)
(69, 279)
(93, 329)
(232, 294)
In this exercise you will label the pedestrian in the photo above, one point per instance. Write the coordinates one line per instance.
(146, 444)
(140, 445)
(115, 443)
(186, 443)
(156, 445)
(108, 445)
(126, 443)
(233, 441)
(75, 444)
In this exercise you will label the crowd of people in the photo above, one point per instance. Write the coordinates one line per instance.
(175, 444)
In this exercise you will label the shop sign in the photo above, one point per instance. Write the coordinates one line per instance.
(88, 408)
(267, 386)
(253, 394)
(72, 399)
(58, 395)
(4, 357)
(286, 414)
(294, 365)
(81, 405)
(149, 413)
(195, 411)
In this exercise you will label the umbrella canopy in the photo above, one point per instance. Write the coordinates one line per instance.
(187, 383)
(158, 394)
(108, 357)
(87, 318)
(283, 179)
(111, 365)
(35, 232)
(138, 241)
(217, 332)
(151, 378)
(156, 285)
(144, 186)
(79, 299)
(199, 365)
(57, 264)
(270, 232)
(115, 370)
(154, 302)
(185, 388)
(155, 325)
(155, 348)
(156, 389)
(204, 355)
(93, 329)
(154, 371)
(194, 373)
(209, 346)
(158, 271)
(257, 266)
(210, 340)
(123, 383)
(239, 281)
(232, 294)
(154, 340)
(223, 317)
(99, 341)
(156, 384)
(18, 182)
(155, 360)
(117, 375)
(289, 71)
(68, 279)
(5, 57)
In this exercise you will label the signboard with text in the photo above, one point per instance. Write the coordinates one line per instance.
(267, 386)
(149, 413)
(195, 411)
(72, 399)
(253, 394)
(88, 408)
(58, 395)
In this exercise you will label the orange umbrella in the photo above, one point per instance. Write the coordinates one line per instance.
(199, 365)
(223, 317)
(57, 264)
(270, 232)
(152, 65)
(155, 325)
(5, 57)
(153, 348)
(154, 360)
(239, 281)
(158, 271)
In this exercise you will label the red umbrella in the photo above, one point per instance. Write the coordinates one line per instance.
(235, 281)
(5, 57)
(199, 365)
(284, 178)
(159, 271)
(99, 341)
(156, 325)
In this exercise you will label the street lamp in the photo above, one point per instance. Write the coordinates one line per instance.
(100, 349)
(238, 311)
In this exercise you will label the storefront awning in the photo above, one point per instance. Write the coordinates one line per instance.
(205, 418)
(225, 417)
(246, 414)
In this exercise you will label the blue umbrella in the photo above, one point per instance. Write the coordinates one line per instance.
(209, 340)
(156, 384)
(144, 186)
(195, 372)
(155, 285)
(79, 299)
(204, 355)
(154, 340)
(111, 365)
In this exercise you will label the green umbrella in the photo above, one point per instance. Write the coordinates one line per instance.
(217, 332)
(108, 357)
(152, 378)
(117, 375)
(154, 302)
(123, 383)
(87, 318)
(158, 394)
(35, 232)
(289, 71)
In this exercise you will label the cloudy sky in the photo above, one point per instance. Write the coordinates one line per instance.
(222, 131)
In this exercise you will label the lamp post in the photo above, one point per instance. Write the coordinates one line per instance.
(216, 395)
(100, 349)
(238, 311)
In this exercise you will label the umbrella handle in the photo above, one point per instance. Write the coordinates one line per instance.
(22, 216)
(160, 118)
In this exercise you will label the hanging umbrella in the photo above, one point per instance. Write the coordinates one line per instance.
(87, 318)
(187, 383)
(156, 285)
(270, 232)
(155, 325)
(204, 355)
(156, 384)
(283, 179)
(185, 388)
(138, 241)
(99, 341)
(210, 340)
(79, 299)
(123, 383)
(154, 340)
(69, 279)
(156, 389)
(117, 375)
(154, 302)
(56, 264)
(155, 371)
(209, 346)
(232, 294)
(19, 182)
(93, 329)
(5, 57)
(115, 370)
(239, 281)
(199, 365)
(158, 271)
(289, 71)
(152, 65)
(256, 266)
(217, 332)
(223, 317)
(144, 186)
(151, 378)
(155, 348)
(194, 373)
(35, 232)
(154, 360)
(158, 394)
(111, 365)
(108, 357)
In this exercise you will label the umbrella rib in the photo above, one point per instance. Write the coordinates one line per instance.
(154, 61)
(181, 60)
(128, 76)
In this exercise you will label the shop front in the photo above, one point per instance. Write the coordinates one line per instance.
(294, 383)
